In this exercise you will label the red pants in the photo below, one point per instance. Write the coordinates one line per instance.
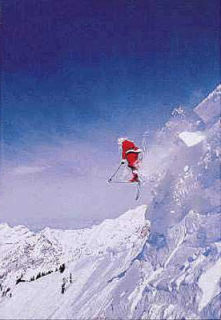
(132, 159)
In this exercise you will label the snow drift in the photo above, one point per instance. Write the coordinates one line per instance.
(159, 261)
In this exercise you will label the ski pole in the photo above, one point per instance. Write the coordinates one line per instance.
(109, 180)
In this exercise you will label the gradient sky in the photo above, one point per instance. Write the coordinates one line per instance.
(78, 74)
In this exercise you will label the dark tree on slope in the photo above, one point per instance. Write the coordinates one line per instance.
(62, 268)
(20, 279)
(63, 286)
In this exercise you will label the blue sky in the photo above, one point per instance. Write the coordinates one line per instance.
(82, 73)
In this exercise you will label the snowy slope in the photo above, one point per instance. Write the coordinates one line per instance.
(161, 260)
(104, 251)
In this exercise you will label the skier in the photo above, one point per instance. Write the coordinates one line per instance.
(130, 153)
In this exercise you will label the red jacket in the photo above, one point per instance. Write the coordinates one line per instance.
(128, 147)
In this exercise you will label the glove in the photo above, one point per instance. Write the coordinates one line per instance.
(123, 161)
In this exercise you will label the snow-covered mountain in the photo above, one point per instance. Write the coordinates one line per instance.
(35, 268)
(161, 260)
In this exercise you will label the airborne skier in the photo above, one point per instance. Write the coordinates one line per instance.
(130, 154)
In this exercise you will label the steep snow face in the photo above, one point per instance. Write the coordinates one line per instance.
(160, 261)
(104, 252)
(182, 251)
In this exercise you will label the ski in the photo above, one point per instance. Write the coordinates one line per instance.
(138, 191)
(121, 182)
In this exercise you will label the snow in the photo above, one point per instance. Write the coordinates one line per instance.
(85, 251)
(27, 298)
(137, 294)
(209, 283)
(192, 138)
(182, 235)
(160, 260)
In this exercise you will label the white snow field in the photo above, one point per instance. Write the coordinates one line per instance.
(191, 138)
(160, 260)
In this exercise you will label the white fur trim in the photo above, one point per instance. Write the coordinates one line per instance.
(134, 151)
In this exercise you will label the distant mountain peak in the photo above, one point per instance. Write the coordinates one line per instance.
(210, 108)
